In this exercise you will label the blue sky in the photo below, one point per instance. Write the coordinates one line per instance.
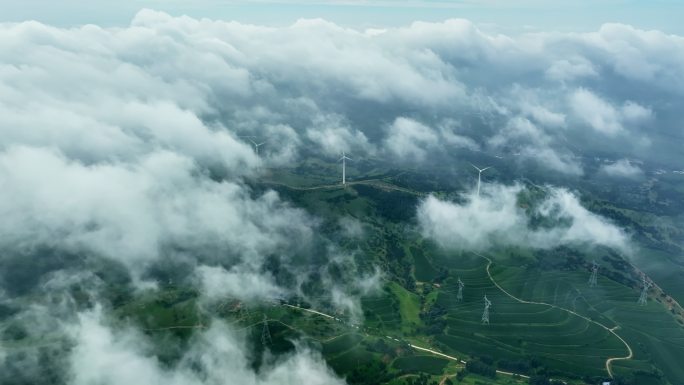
(510, 15)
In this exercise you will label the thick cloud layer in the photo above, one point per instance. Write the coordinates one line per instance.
(139, 212)
(178, 83)
(500, 217)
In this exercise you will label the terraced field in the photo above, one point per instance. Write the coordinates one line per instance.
(423, 269)
(551, 334)
(557, 338)
(654, 335)
(382, 312)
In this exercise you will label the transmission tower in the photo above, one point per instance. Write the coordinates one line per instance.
(644, 291)
(265, 334)
(459, 295)
(593, 279)
(485, 314)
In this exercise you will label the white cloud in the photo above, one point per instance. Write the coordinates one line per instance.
(449, 132)
(180, 84)
(497, 218)
(351, 227)
(646, 56)
(570, 69)
(114, 357)
(410, 140)
(635, 112)
(331, 135)
(348, 300)
(544, 116)
(596, 112)
(130, 211)
(603, 116)
(238, 282)
(532, 143)
(552, 160)
(622, 168)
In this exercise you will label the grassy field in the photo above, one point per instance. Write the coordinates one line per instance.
(409, 308)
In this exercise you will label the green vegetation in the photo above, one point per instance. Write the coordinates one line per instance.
(545, 321)
(421, 364)
(409, 308)
(548, 341)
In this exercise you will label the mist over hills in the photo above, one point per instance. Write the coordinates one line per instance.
(129, 182)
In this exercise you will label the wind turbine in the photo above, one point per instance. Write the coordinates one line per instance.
(344, 159)
(479, 176)
(256, 146)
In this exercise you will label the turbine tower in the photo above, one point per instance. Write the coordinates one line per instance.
(265, 334)
(256, 146)
(643, 298)
(594, 274)
(485, 314)
(344, 159)
(479, 176)
(459, 295)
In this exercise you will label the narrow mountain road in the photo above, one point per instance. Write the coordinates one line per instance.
(377, 183)
(309, 310)
(437, 353)
(609, 361)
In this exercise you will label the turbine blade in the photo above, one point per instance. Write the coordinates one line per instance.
(486, 168)
(475, 167)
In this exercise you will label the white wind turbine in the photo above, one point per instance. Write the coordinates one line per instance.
(256, 146)
(344, 159)
(479, 176)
